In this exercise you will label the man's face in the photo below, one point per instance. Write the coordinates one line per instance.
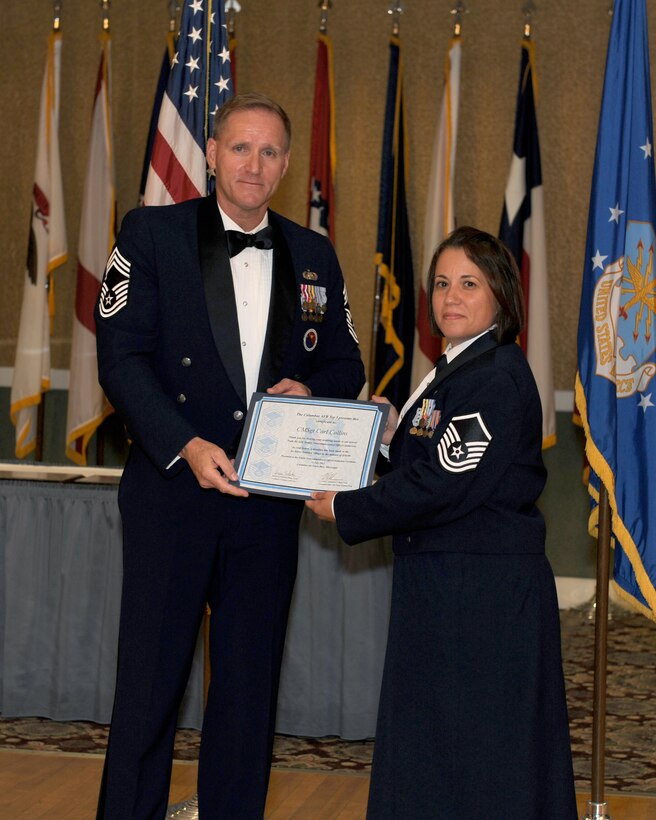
(249, 158)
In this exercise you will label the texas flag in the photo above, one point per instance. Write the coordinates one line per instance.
(522, 229)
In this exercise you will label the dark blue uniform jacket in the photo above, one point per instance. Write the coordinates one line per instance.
(466, 463)
(169, 357)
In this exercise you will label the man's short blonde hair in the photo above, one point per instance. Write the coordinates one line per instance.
(247, 102)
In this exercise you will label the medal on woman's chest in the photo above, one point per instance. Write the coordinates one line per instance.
(426, 419)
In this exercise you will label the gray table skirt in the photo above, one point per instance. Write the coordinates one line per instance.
(61, 565)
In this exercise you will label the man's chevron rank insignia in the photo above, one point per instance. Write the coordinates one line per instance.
(463, 443)
(114, 289)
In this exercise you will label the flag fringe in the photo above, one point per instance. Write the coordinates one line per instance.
(601, 467)
(82, 435)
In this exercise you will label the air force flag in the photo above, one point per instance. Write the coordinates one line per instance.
(615, 389)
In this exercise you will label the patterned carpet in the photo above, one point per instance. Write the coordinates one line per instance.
(630, 722)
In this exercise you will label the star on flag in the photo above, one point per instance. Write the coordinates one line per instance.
(615, 213)
(598, 260)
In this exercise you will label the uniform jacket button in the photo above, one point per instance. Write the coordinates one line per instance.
(186, 361)
(238, 415)
(182, 398)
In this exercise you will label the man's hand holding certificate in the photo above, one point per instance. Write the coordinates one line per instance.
(293, 445)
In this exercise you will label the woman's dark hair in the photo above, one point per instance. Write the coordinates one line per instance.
(491, 256)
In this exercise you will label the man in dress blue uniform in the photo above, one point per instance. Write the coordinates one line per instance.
(193, 317)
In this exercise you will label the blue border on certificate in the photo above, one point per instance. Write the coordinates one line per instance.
(281, 490)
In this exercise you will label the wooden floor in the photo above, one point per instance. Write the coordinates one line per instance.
(56, 786)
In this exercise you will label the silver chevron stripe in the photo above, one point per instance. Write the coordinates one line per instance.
(349, 318)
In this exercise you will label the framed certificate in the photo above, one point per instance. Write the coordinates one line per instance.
(292, 445)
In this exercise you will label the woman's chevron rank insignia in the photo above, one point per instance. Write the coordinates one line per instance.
(114, 289)
(463, 443)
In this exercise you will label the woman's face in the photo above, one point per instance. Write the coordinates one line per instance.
(463, 303)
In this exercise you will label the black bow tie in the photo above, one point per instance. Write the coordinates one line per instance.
(237, 240)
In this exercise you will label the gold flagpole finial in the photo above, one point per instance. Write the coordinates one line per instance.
(528, 9)
(232, 9)
(325, 6)
(396, 10)
(56, 15)
(458, 10)
(104, 5)
(173, 7)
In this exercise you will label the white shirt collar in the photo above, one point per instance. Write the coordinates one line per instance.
(452, 351)
(230, 224)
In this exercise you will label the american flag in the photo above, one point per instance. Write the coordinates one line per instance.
(199, 83)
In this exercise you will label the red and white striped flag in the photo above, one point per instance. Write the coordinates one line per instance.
(199, 83)
(46, 251)
(523, 230)
(323, 154)
(87, 405)
(440, 217)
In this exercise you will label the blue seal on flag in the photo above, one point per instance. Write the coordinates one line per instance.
(623, 313)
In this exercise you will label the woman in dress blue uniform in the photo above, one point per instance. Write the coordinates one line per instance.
(472, 719)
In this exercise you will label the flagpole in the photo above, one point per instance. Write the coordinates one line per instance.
(100, 430)
(56, 19)
(396, 10)
(596, 805)
(104, 5)
(325, 6)
(458, 10)
(232, 9)
(41, 408)
(528, 9)
(173, 7)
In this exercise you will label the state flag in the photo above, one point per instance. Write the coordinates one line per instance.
(394, 309)
(87, 404)
(47, 250)
(440, 212)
